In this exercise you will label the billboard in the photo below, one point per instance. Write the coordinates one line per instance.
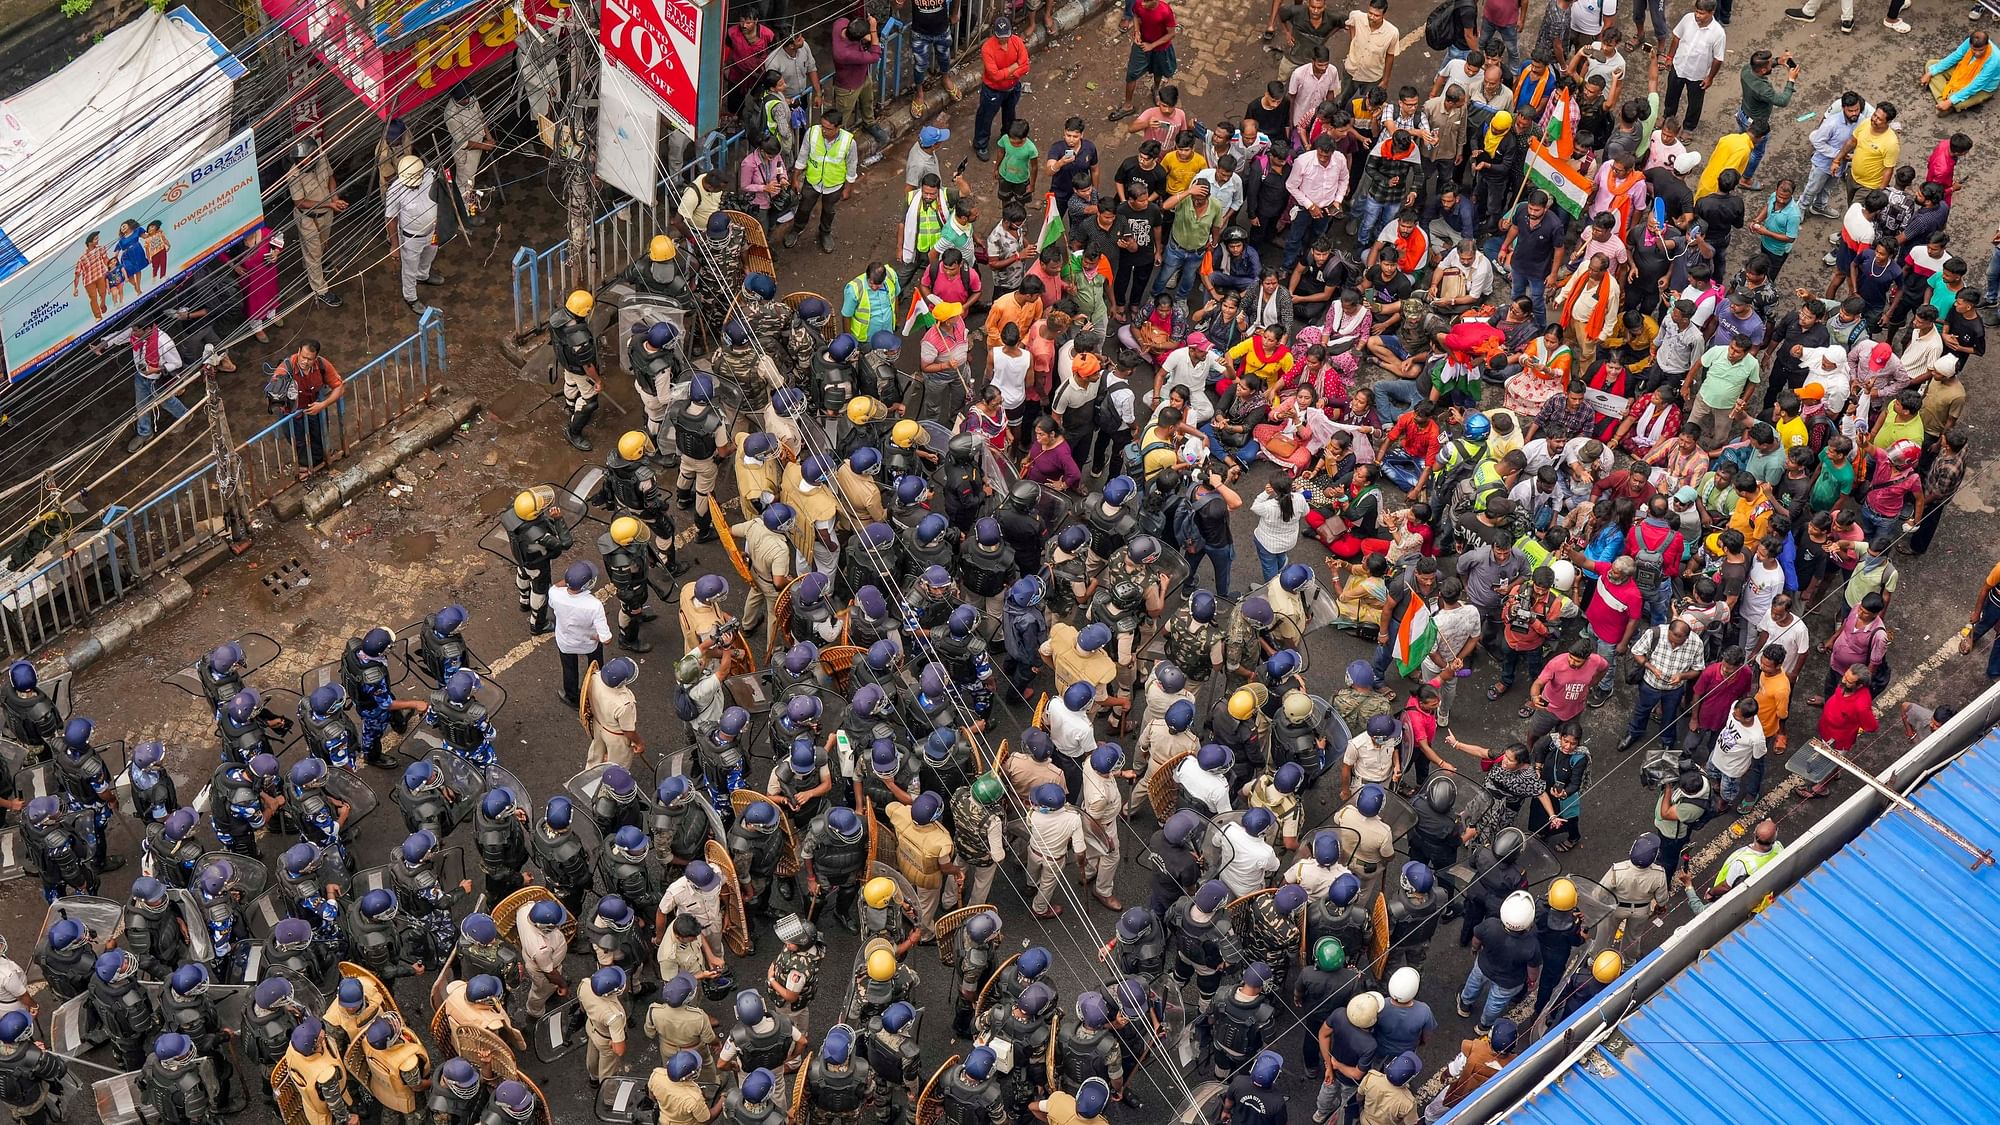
(138, 251)
(424, 63)
(660, 44)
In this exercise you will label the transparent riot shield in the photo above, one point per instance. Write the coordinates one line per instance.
(258, 653)
(119, 1101)
(572, 505)
(71, 1027)
(247, 876)
(560, 1033)
(623, 1100)
(13, 854)
(195, 921)
(102, 919)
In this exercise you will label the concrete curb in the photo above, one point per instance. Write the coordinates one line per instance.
(171, 593)
(328, 494)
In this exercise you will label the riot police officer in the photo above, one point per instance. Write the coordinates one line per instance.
(661, 274)
(719, 755)
(626, 869)
(1240, 1022)
(457, 1097)
(970, 1094)
(757, 845)
(629, 557)
(1068, 572)
(631, 488)
(426, 901)
(932, 542)
(1254, 1097)
(314, 1068)
(655, 361)
(33, 719)
(380, 941)
(364, 671)
(815, 619)
(1173, 855)
(894, 1048)
(295, 953)
(967, 657)
(1138, 946)
(153, 792)
(752, 1101)
(63, 846)
(1414, 916)
(122, 1006)
(1271, 929)
(152, 934)
(701, 435)
(1086, 1047)
(500, 833)
(575, 344)
(1024, 1023)
(461, 718)
(66, 958)
(426, 802)
(986, 563)
(1341, 915)
(961, 481)
(879, 378)
(172, 1083)
(617, 803)
(219, 896)
(319, 815)
(482, 953)
(187, 1008)
(838, 1084)
(678, 822)
(761, 1038)
(1111, 519)
(833, 854)
(561, 857)
(170, 849)
(273, 1015)
(1205, 940)
(536, 538)
(398, 1070)
(441, 649)
(238, 723)
(612, 936)
(975, 958)
(88, 787)
(331, 733)
(831, 380)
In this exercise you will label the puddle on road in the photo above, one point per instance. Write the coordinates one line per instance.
(414, 546)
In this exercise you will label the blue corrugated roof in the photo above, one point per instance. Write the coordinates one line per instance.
(1868, 992)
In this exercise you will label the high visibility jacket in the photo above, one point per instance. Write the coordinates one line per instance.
(826, 161)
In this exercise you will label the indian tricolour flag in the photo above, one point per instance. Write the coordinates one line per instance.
(919, 318)
(1569, 187)
(1560, 135)
(1052, 224)
(1416, 636)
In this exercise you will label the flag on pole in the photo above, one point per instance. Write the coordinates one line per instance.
(1551, 173)
(1052, 224)
(1416, 636)
(919, 317)
(1560, 135)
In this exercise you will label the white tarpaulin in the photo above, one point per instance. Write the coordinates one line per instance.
(145, 102)
(628, 136)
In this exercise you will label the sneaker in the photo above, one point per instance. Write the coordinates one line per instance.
(1899, 26)
(432, 278)
(1828, 258)
(330, 300)
(138, 442)
(1464, 1012)
(1847, 27)
(1481, 1032)
(1800, 14)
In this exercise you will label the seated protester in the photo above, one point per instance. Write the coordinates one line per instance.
(1545, 365)
(1270, 303)
(1223, 320)
(1233, 266)
(1410, 444)
(1264, 357)
(1384, 288)
(1405, 243)
(1318, 279)
(1361, 593)
(1518, 328)
(1355, 512)
(1564, 416)
(1506, 433)
(1463, 279)
(1650, 425)
(1244, 406)
(1295, 428)
(1323, 483)
(1608, 387)
(1451, 215)
(1160, 331)
(1349, 322)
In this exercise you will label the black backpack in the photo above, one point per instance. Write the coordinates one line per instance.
(1441, 27)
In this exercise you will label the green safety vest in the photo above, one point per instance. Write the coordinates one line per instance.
(1753, 861)
(826, 163)
(864, 303)
(930, 220)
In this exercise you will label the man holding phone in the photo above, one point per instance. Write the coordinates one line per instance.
(1212, 502)
(1761, 95)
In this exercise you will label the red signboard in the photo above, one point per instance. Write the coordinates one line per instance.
(435, 59)
(658, 42)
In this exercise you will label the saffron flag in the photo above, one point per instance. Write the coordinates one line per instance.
(1052, 224)
(1560, 134)
(1416, 636)
(1551, 173)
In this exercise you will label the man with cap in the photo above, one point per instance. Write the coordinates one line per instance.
(1374, 752)
(313, 1068)
(1238, 1025)
(1374, 841)
(1638, 886)
(602, 998)
(678, 1024)
(538, 930)
(1055, 834)
(1082, 656)
(1385, 1094)
(1251, 858)
(925, 854)
(675, 1089)
(1347, 1050)
(580, 625)
(827, 164)
(1506, 962)
(766, 540)
(315, 201)
(1003, 64)
(1100, 803)
(390, 148)
(409, 207)
(1086, 1107)
(614, 714)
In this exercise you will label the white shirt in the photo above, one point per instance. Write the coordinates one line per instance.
(1071, 731)
(1274, 532)
(1251, 860)
(1700, 47)
(1587, 17)
(170, 354)
(1736, 746)
(1179, 369)
(580, 623)
(1456, 73)
(1202, 785)
(1010, 374)
(543, 950)
(1227, 196)
(1760, 588)
(413, 208)
(1794, 638)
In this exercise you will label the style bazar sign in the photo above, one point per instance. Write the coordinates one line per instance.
(426, 62)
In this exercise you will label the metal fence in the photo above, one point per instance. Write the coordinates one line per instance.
(99, 566)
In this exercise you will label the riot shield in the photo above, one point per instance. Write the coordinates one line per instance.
(639, 311)
(486, 1051)
(1592, 900)
(1216, 850)
(930, 1103)
(13, 854)
(347, 787)
(1538, 863)
(735, 922)
(1242, 910)
(1204, 1106)
(291, 1111)
(557, 1035)
(248, 876)
(1396, 812)
(838, 660)
(1161, 788)
(409, 650)
(102, 919)
(788, 862)
(719, 520)
(119, 1101)
(903, 886)
(564, 498)
(500, 777)
(948, 924)
(70, 1027)
(258, 653)
(797, 1104)
(750, 690)
(373, 987)
(200, 946)
(1177, 1020)
(986, 991)
(622, 1100)
(34, 775)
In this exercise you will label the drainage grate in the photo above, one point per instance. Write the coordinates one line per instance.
(286, 580)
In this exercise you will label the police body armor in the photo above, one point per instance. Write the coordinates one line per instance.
(959, 484)
(1120, 599)
(942, 551)
(1064, 576)
(376, 943)
(1238, 1028)
(683, 826)
(815, 623)
(1142, 958)
(224, 925)
(333, 739)
(1411, 926)
(464, 728)
(635, 881)
(791, 785)
(1205, 945)
(653, 371)
(192, 1016)
(813, 681)
(1495, 881)
(833, 384)
(536, 542)
(624, 565)
(426, 904)
(69, 972)
(176, 1097)
(1109, 531)
(63, 850)
(896, 1057)
(174, 863)
(736, 1111)
(1191, 645)
(441, 654)
(1434, 840)
(766, 1049)
(502, 842)
(498, 960)
(155, 802)
(153, 935)
(34, 720)
(313, 813)
(366, 681)
(888, 922)
(240, 741)
(1352, 925)
(26, 1077)
(970, 1105)
(561, 857)
(84, 779)
(659, 279)
(898, 461)
(122, 1009)
(836, 861)
(1030, 1037)
(837, 1091)
(755, 854)
(575, 344)
(267, 1034)
(1083, 1053)
(1296, 742)
(448, 1107)
(926, 610)
(880, 381)
(1270, 937)
(984, 570)
(696, 426)
(425, 812)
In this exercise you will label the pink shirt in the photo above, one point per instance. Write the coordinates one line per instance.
(1564, 688)
(1308, 91)
(1613, 606)
(1941, 166)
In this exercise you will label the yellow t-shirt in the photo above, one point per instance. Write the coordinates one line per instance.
(1791, 433)
(1874, 155)
(1181, 171)
(1731, 151)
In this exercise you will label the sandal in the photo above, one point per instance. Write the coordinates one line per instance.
(1496, 691)
(1566, 845)
(1527, 711)
(1120, 114)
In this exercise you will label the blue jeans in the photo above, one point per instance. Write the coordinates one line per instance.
(1658, 8)
(1306, 230)
(1182, 267)
(1393, 399)
(1992, 294)
(1221, 559)
(1659, 602)
(1989, 616)
(1231, 283)
(1246, 455)
(1757, 151)
(146, 392)
(1534, 285)
(1380, 662)
(1669, 704)
(1511, 36)
(1817, 182)
(930, 54)
(991, 102)
(1498, 999)
(1270, 563)
(1375, 215)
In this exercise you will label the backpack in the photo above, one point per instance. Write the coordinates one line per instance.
(1441, 30)
(1187, 529)
(1650, 564)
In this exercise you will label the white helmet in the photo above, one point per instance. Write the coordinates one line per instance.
(1403, 985)
(1362, 1009)
(1517, 913)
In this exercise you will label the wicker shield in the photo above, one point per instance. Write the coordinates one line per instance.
(583, 698)
(838, 659)
(735, 923)
(874, 831)
(781, 622)
(1041, 713)
(291, 1108)
(930, 1103)
(446, 974)
(987, 989)
(999, 756)
(486, 1051)
(797, 1112)
(1049, 1056)
(1381, 943)
(720, 522)
(740, 801)
(441, 1035)
(1242, 912)
(1162, 790)
(948, 925)
(757, 252)
(373, 988)
(507, 914)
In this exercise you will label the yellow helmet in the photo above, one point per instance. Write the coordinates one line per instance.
(662, 249)
(879, 891)
(907, 432)
(580, 303)
(881, 965)
(1607, 966)
(861, 410)
(1242, 704)
(1298, 706)
(633, 445)
(527, 505)
(624, 529)
(1562, 895)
